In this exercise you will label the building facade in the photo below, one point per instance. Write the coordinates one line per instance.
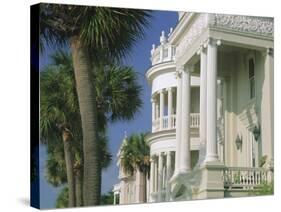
(212, 109)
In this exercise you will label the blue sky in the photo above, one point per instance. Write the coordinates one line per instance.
(140, 60)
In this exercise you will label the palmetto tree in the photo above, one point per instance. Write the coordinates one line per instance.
(56, 169)
(118, 97)
(59, 108)
(134, 158)
(92, 32)
(135, 154)
(59, 117)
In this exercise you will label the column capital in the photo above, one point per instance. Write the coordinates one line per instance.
(160, 91)
(170, 89)
(169, 153)
(202, 48)
(153, 100)
(213, 41)
(161, 153)
(268, 51)
(179, 70)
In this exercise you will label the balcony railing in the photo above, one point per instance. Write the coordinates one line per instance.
(245, 177)
(171, 120)
(162, 54)
(194, 120)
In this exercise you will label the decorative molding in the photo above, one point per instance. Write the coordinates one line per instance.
(247, 24)
(249, 116)
(179, 71)
(194, 32)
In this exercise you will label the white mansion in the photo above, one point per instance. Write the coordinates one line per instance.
(212, 111)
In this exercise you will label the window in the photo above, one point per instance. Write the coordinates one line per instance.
(252, 78)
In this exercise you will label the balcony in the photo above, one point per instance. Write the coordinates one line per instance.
(245, 178)
(164, 52)
(169, 122)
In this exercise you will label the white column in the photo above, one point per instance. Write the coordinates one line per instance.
(267, 107)
(169, 174)
(160, 176)
(152, 167)
(155, 182)
(178, 118)
(157, 109)
(203, 96)
(161, 108)
(153, 108)
(170, 107)
(153, 113)
(212, 152)
(185, 159)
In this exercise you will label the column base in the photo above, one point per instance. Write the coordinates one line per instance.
(212, 185)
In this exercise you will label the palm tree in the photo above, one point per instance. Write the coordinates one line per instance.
(56, 170)
(135, 155)
(92, 32)
(55, 165)
(62, 200)
(59, 117)
(115, 86)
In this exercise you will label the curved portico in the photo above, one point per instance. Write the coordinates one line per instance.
(162, 77)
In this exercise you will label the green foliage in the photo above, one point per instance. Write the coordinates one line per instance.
(108, 32)
(264, 189)
(62, 200)
(135, 153)
(59, 105)
(55, 165)
(104, 33)
(107, 199)
(262, 160)
(118, 92)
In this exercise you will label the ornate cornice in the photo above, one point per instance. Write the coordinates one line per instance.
(246, 24)
(195, 31)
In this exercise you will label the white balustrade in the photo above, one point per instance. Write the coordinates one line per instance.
(165, 122)
(167, 51)
(156, 56)
(244, 177)
(194, 122)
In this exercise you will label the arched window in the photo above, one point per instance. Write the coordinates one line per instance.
(251, 66)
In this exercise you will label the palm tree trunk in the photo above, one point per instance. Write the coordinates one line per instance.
(78, 188)
(88, 110)
(69, 169)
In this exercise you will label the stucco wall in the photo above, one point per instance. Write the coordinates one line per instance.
(243, 113)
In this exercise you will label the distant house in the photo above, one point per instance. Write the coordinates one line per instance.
(212, 110)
